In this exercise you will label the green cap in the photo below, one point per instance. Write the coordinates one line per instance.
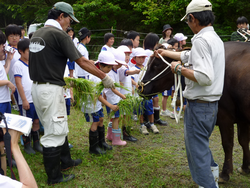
(67, 8)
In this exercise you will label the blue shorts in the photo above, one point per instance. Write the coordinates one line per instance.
(146, 107)
(155, 96)
(94, 117)
(117, 113)
(71, 65)
(67, 101)
(5, 107)
(31, 113)
(167, 92)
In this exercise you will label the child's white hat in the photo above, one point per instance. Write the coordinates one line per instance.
(139, 52)
(180, 37)
(124, 48)
(106, 57)
(119, 56)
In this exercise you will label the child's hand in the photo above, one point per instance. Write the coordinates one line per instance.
(12, 87)
(26, 105)
(10, 55)
(114, 107)
(137, 71)
(123, 96)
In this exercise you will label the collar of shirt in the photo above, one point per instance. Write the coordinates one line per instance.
(54, 23)
(205, 29)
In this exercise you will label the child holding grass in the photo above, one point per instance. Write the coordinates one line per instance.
(125, 80)
(93, 111)
(139, 58)
(25, 102)
(114, 133)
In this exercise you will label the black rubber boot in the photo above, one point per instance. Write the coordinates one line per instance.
(51, 160)
(66, 161)
(146, 121)
(27, 145)
(36, 141)
(94, 143)
(102, 143)
(127, 136)
(157, 119)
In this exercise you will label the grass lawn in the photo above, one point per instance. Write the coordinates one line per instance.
(155, 160)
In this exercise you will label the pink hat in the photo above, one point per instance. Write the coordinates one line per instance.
(124, 48)
(119, 56)
(106, 57)
(180, 37)
(139, 52)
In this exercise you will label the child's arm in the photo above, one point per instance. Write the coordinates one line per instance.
(26, 105)
(115, 91)
(106, 103)
(134, 83)
(7, 61)
(71, 94)
(9, 84)
(132, 72)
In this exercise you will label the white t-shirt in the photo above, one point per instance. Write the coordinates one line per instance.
(75, 41)
(149, 53)
(107, 48)
(136, 77)
(4, 90)
(12, 62)
(9, 183)
(79, 71)
(125, 80)
(111, 97)
(21, 69)
(66, 91)
(92, 106)
(207, 57)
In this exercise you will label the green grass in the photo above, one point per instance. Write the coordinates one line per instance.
(153, 161)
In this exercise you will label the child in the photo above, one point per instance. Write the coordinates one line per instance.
(149, 43)
(85, 37)
(13, 34)
(181, 39)
(125, 80)
(71, 65)
(94, 112)
(5, 84)
(26, 106)
(109, 40)
(139, 57)
(134, 37)
(113, 98)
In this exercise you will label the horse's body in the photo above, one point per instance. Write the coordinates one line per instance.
(234, 105)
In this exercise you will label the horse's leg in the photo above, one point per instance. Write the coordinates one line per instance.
(227, 138)
(243, 138)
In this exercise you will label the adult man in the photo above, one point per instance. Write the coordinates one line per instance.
(204, 80)
(242, 23)
(50, 47)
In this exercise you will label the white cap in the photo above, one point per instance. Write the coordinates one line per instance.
(119, 56)
(124, 48)
(180, 37)
(106, 57)
(139, 52)
(165, 44)
(197, 6)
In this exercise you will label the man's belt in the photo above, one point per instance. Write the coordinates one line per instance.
(200, 101)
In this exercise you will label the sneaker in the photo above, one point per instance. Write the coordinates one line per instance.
(15, 107)
(144, 130)
(154, 129)
(165, 113)
(172, 116)
(135, 118)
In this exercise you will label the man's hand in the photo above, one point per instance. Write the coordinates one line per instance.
(108, 82)
(15, 136)
(174, 64)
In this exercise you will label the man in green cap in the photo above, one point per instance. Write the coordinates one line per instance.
(50, 47)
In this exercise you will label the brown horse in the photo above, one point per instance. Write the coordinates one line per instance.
(234, 105)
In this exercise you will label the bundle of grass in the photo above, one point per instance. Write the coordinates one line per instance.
(83, 89)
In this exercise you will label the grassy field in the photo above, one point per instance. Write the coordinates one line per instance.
(153, 161)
